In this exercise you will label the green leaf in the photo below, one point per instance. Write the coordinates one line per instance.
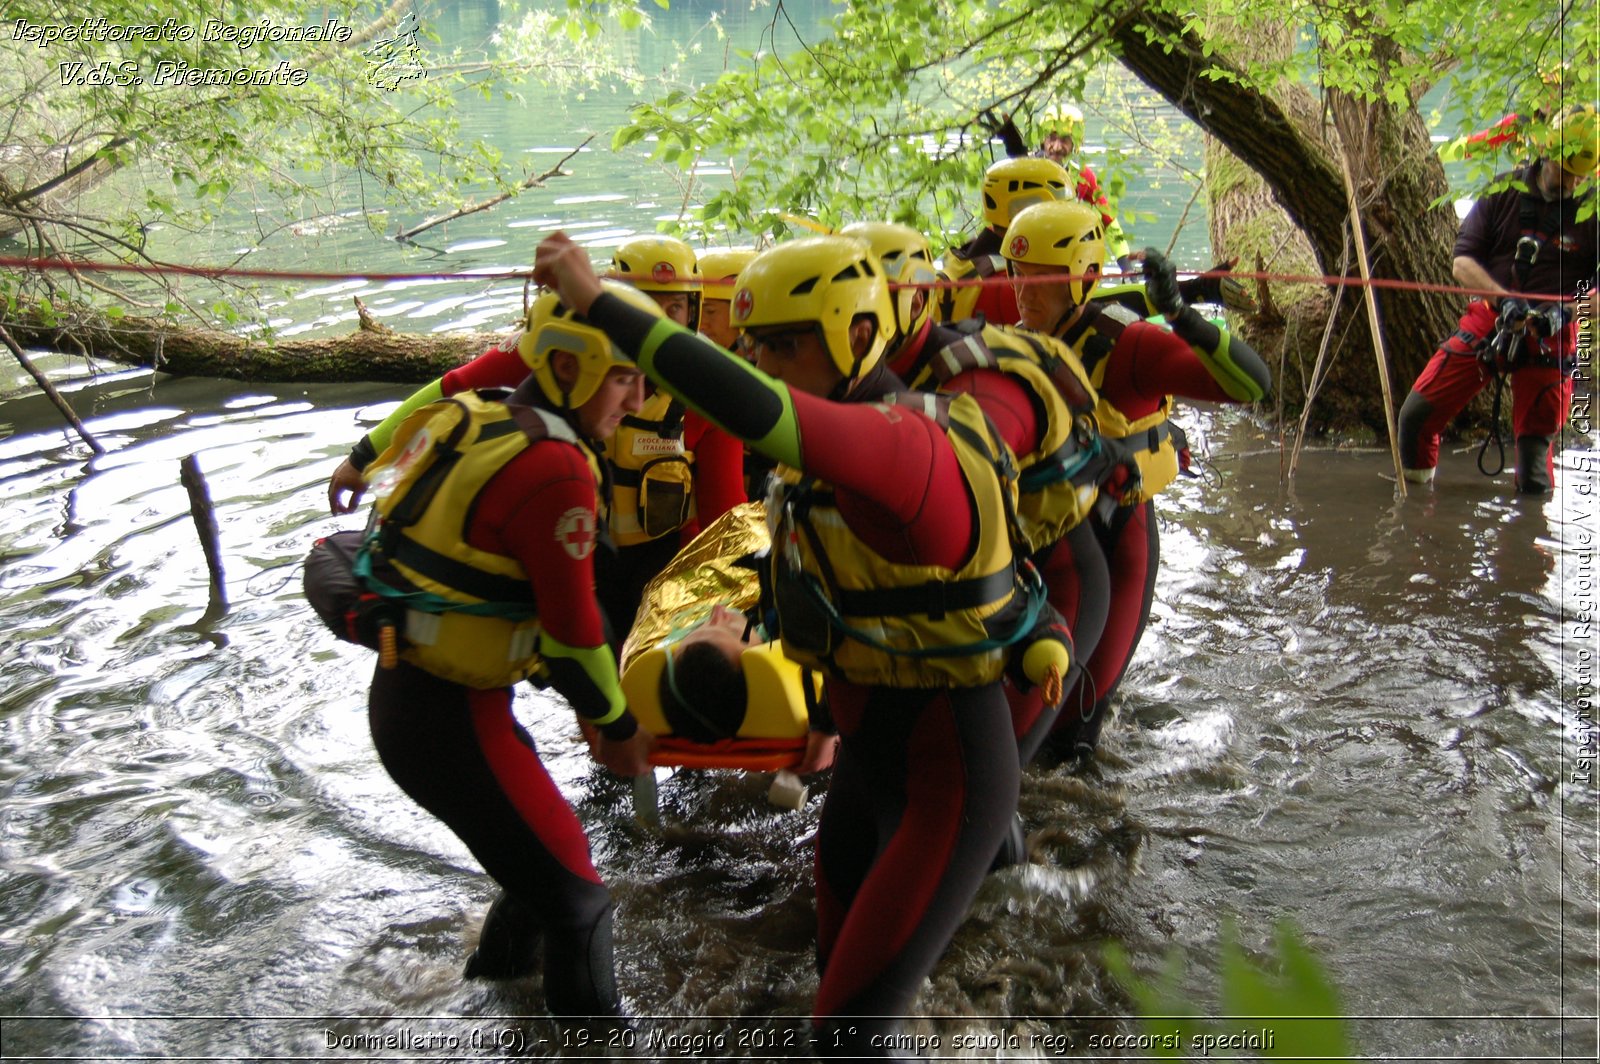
(626, 135)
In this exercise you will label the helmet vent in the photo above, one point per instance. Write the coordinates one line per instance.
(804, 287)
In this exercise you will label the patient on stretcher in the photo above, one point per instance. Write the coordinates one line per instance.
(700, 674)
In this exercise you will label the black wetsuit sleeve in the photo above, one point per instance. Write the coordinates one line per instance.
(716, 384)
(362, 454)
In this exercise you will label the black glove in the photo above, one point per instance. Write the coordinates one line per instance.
(1216, 287)
(1161, 284)
(1547, 319)
(1513, 312)
(1006, 129)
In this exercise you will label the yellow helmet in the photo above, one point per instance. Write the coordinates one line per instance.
(719, 270)
(657, 264)
(830, 280)
(1012, 184)
(1064, 119)
(907, 260)
(550, 327)
(660, 264)
(1070, 235)
(1575, 136)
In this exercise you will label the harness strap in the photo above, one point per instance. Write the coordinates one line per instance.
(934, 598)
(986, 265)
(1097, 348)
(1066, 463)
(464, 578)
(670, 426)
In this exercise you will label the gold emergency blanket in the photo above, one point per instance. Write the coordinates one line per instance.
(703, 574)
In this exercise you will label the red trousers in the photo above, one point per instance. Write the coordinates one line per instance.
(1541, 393)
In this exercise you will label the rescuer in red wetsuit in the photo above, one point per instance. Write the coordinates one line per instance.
(1008, 186)
(1513, 241)
(892, 572)
(491, 560)
(1008, 373)
(1136, 368)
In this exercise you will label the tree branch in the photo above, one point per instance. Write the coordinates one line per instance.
(474, 208)
(97, 156)
(1216, 96)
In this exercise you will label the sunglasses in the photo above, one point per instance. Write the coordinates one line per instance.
(784, 343)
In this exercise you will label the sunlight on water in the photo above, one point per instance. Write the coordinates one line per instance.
(1356, 713)
(192, 799)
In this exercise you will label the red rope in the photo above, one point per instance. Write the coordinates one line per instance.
(213, 272)
(216, 272)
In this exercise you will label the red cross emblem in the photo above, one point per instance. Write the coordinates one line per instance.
(1019, 246)
(743, 303)
(415, 448)
(576, 532)
(663, 273)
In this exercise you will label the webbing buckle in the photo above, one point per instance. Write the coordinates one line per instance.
(1527, 251)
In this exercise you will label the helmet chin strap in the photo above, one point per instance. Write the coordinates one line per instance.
(842, 389)
(1066, 318)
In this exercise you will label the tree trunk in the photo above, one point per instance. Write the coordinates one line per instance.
(1282, 138)
(1247, 224)
(373, 352)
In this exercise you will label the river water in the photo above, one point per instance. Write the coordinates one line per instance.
(1370, 717)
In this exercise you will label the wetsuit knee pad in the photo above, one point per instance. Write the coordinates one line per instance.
(1410, 425)
(579, 974)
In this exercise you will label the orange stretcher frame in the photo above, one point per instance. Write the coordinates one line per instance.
(751, 755)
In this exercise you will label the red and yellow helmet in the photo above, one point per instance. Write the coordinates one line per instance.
(660, 264)
(719, 270)
(1068, 235)
(907, 260)
(829, 280)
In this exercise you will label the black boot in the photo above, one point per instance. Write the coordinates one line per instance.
(579, 978)
(1087, 739)
(1533, 465)
(508, 945)
(1013, 847)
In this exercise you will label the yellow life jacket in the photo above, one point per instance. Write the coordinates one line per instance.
(652, 473)
(959, 303)
(470, 615)
(1059, 481)
(849, 611)
(1152, 439)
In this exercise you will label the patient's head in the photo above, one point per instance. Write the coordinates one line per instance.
(703, 691)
